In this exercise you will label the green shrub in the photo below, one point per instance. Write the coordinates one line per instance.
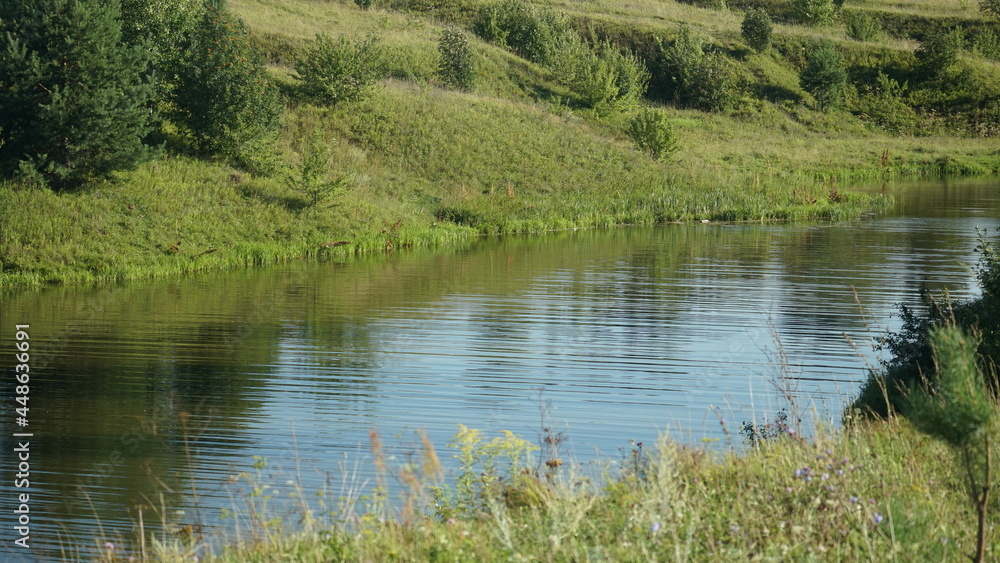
(863, 27)
(605, 77)
(456, 67)
(990, 8)
(334, 71)
(224, 96)
(987, 45)
(363, 4)
(824, 76)
(756, 29)
(312, 177)
(939, 52)
(911, 361)
(530, 32)
(814, 12)
(75, 102)
(958, 410)
(696, 79)
(885, 106)
(653, 133)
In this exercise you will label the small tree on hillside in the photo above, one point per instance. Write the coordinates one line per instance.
(340, 70)
(224, 96)
(456, 65)
(757, 29)
(824, 76)
(74, 101)
(939, 52)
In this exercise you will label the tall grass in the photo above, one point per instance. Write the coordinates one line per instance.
(871, 491)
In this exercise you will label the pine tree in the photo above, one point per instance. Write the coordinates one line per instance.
(74, 100)
(824, 76)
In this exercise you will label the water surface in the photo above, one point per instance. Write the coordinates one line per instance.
(606, 336)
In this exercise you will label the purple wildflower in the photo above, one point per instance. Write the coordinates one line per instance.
(877, 518)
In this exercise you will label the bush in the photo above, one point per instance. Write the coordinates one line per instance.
(341, 70)
(885, 106)
(224, 96)
(987, 45)
(863, 27)
(912, 355)
(814, 12)
(530, 32)
(990, 8)
(697, 79)
(939, 52)
(363, 4)
(75, 102)
(456, 67)
(313, 178)
(824, 76)
(757, 29)
(653, 133)
(603, 76)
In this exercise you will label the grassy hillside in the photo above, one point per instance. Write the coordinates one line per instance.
(521, 151)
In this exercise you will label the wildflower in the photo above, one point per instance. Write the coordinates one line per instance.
(734, 528)
(877, 518)
(808, 478)
(840, 472)
(854, 499)
(654, 528)
(798, 473)
(109, 546)
(825, 476)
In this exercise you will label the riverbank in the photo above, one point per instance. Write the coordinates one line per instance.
(872, 491)
(417, 164)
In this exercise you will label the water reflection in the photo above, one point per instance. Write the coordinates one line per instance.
(612, 335)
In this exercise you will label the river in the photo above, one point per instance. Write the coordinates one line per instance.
(606, 338)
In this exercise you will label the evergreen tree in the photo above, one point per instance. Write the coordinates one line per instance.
(74, 100)
(824, 76)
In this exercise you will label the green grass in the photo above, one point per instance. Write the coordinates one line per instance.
(516, 154)
(869, 492)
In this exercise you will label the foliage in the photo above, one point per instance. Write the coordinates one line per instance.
(340, 71)
(224, 96)
(824, 76)
(653, 133)
(532, 33)
(885, 106)
(987, 45)
(74, 100)
(363, 4)
(603, 76)
(756, 29)
(990, 8)
(957, 409)
(162, 25)
(863, 27)
(312, 178)
(814, 12)
(939, 52)
(912, 354)
(486, 470)
(698, 79)
(456, 67)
